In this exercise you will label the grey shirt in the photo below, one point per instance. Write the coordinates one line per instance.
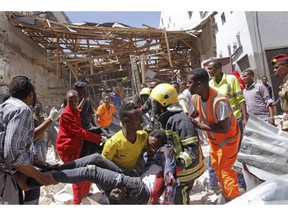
(257, 100)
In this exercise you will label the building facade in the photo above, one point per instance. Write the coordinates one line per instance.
(250, 38)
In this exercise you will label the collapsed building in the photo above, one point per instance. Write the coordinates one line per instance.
(55, 53)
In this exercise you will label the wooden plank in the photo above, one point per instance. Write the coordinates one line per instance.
(168, 48)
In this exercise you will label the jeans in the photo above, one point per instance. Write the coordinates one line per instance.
(98, 170)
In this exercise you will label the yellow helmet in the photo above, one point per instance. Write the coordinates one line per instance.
(165, 94)
(145, 91)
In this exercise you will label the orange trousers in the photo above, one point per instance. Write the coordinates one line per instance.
(222, 160)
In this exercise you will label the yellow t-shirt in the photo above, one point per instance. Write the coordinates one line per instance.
(230, 88)
(122, 152)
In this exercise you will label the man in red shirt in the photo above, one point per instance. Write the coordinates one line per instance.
(69, 139)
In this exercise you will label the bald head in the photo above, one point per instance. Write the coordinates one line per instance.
(71, 93)
(72, 98)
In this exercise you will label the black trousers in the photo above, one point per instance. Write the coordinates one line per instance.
(106, 175)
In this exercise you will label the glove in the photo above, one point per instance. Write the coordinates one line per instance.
(54, 114)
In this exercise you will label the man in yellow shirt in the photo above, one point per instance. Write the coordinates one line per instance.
(125, 147)
(228, 85)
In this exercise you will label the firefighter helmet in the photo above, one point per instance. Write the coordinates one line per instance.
(145, 91)
(165, 94)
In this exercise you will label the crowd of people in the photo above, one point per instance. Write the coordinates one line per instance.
(154, 143)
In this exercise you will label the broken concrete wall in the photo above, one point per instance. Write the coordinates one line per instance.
(17, 55)
(207, 41)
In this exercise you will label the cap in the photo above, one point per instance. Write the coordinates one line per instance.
(279, 58)
(79, 84)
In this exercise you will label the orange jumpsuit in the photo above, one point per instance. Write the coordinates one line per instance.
(223, 146)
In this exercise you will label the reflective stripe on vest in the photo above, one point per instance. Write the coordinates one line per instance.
(209, 116)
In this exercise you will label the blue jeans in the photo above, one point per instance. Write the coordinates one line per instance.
(213, 181)
(100, 172)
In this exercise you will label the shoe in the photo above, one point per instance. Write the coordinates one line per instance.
(242, 191)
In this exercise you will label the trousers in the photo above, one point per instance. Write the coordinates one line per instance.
(182, 195)
(213, 181)
(106, 175)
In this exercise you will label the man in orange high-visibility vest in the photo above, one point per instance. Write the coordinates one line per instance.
(221, 127)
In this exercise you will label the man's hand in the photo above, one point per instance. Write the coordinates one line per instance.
(117, 193)
(194, 114)
(47, 179)
(195, 123)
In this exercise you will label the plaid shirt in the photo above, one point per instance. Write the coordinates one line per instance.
(16, 134)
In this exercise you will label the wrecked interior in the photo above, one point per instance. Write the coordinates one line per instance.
(109, 54)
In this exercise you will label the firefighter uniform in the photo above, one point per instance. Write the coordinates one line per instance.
(182, 134)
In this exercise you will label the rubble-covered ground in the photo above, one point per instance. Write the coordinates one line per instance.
(61, 194)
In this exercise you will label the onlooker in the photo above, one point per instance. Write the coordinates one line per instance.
(229, 86)
(50, 135)
(39, 145)
(87, 110)
(280, 65)
(136, 98)
(104, 115)
(103, 95)
(185, 98)
(182, 135)
(265, 83)
(176, 85)
(257, 98)
(154, 83)
(116, 101)
(69, 139)
(16, 137)
(221, 128)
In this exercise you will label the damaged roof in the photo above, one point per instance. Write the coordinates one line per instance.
(95, 52)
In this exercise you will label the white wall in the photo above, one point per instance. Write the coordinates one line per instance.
(181, 20)
(235, 24)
